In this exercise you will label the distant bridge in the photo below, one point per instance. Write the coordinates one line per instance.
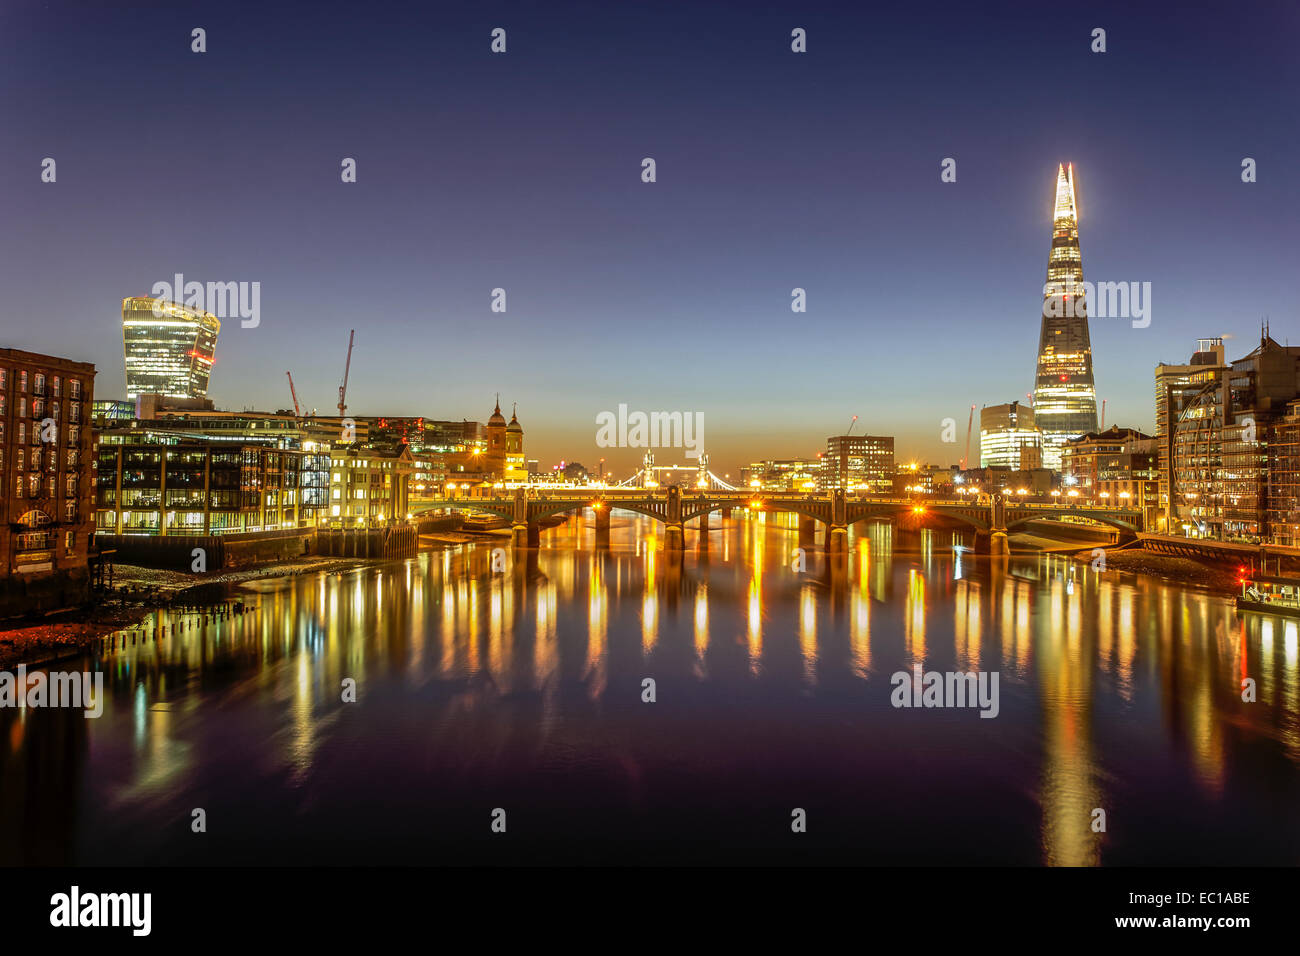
(993, 517)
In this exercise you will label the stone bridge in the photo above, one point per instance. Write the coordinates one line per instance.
(993, 517)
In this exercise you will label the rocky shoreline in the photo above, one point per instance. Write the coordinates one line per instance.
(1178, 570)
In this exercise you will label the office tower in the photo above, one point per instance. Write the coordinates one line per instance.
(1176, 386)
(1065, 401)
(169, 348)
(862, 463)
(1009, 438)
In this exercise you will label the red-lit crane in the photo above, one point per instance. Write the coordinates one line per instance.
(970, 422)
(297, 412)
(343, 389)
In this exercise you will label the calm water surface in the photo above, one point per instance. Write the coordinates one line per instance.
(523, 690)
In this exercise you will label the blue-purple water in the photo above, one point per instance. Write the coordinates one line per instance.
(522, 690)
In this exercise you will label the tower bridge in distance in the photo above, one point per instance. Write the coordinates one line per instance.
(991, 518)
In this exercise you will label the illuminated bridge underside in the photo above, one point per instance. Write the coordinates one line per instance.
(835, 510)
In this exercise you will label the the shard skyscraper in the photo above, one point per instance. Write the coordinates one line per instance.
(1065, 401)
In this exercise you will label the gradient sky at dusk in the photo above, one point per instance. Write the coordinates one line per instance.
(775, 170)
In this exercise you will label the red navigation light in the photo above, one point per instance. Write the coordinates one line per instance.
(1065, 378)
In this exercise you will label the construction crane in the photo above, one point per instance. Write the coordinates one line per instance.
(851, 424)
(297, 412)
(970, 422)
(343, 389)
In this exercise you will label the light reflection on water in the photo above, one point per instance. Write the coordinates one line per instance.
(478, 689)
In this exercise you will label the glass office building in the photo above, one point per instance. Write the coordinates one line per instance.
(1009, 438)
(169, 347)
(1065, 400)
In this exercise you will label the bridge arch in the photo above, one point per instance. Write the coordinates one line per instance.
(1131, 523)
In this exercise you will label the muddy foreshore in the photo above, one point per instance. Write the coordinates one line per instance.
(1183, 571)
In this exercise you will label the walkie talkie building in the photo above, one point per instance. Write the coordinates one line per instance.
(1065, 400)
(169, 347)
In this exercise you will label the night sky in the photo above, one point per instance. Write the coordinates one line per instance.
(775, 170)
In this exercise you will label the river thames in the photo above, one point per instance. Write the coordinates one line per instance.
(522, 689)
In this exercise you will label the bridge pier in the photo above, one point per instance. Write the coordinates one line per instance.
(674, 537)
(703, 542)
(998, 543)
(807, 531)
(726, 513)
(674, 529)
(602, 528)
(837, 539)
(523, 536)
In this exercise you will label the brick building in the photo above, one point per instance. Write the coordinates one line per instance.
(46, 480)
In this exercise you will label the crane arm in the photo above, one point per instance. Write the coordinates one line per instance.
(347, 367)
(297, 412)
(970, 422)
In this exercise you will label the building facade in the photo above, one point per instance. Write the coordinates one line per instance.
(1065, 399)
(858, 463)
(1283, 488)
(169, 348)
(1034, 481)
(789, 474)
(1009, 438)
(1084, 459)
(46, 480)
(1176, 386)
(369, 488)
(154, 483)
(1221, 479)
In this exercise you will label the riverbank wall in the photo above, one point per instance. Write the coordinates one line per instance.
(399, 542)
(208, 553)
